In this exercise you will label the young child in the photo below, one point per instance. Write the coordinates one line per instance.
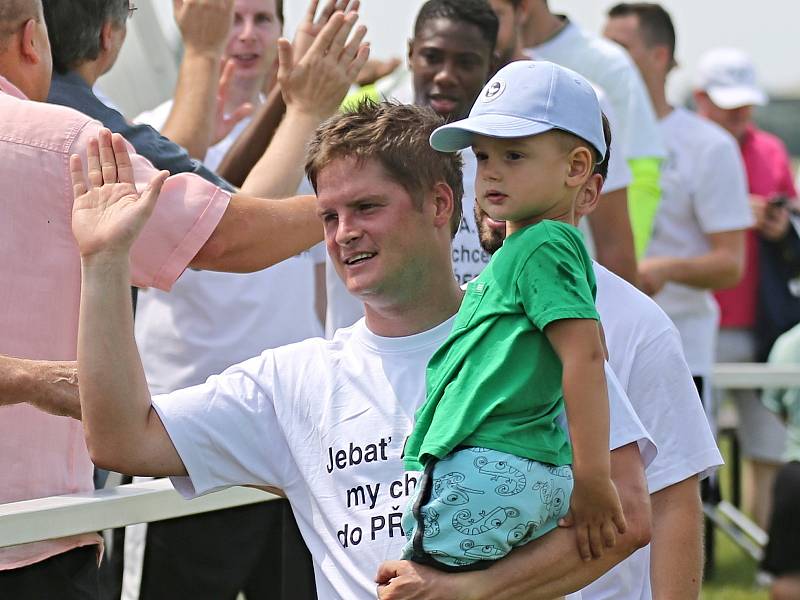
(498, 467)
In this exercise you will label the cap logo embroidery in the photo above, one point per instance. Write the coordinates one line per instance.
(494, 90)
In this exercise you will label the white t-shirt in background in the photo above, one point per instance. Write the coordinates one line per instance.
(645, 353)
(609, 66)
(210, 320)
(214, 155)
(326, 420)
(704, 191)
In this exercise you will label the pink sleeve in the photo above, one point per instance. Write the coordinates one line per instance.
(188, 210)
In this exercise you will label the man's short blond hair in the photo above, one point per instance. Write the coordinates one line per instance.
(395, 135)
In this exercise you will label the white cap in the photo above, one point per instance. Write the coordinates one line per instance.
(728, 76)
(527, 98)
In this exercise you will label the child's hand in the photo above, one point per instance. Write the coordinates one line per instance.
(596, 514)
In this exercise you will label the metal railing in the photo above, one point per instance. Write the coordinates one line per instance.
(723, 514)
(59, 516)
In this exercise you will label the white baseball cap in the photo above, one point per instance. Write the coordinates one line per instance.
(527, 98)
(728, 76)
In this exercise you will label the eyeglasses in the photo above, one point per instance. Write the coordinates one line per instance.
(132, 9)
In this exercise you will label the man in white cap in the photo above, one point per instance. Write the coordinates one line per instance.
(761, 307)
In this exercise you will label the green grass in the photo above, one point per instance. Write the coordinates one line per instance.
(735, 571)
(734, 575)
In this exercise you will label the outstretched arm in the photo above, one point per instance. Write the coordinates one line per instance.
(51, 386)
(122, 430)
(543, 569)
(312, 87)
(252, 143)
(721, 267)
(204, 27)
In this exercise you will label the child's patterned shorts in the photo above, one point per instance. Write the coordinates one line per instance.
(476, 504)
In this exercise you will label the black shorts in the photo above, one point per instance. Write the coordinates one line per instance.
(782, 554)
(71, 575)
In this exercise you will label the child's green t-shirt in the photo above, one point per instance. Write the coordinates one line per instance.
(496, 381)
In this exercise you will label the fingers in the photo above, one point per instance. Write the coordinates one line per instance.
(347, 6)
(79, 186)
(108, 163)
(620, 523)
(228, 69)
(359, 62)
(584, 549)
(285, 59)
(354, 45)
(608, 533)
(326, 13)
(387, 570)
(596, 541)
(323, 41)
(122, 159)
(150, 195)
(340, 39)
(242, 112)
(343, 6)
(567, 521)
(93, 163)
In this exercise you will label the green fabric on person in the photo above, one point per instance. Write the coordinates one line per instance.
(786, 402)
(353, 99)
(496, 381)
(644, 196)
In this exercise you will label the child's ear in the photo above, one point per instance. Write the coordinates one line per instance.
(589, 195)
(581, 165)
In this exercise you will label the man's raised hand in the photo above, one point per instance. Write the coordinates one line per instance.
(204, 24)
(226, 122)
(109, 213)
(317, 83)
(312, 24)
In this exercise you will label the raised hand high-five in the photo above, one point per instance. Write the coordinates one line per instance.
(312, 24)
(204, 24)
(109, 213)
(317, 83)
(225, 122)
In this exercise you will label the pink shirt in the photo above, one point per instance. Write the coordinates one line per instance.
(43, 455)
(769, 174)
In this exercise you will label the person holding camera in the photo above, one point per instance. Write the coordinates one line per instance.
(765, 303)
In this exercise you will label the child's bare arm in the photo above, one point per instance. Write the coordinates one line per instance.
(595, 508)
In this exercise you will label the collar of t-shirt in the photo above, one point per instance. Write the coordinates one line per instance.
(409, 343)
(6, 87)
(560, 37)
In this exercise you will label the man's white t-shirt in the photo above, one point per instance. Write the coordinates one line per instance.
(214, 155)
(609, 66)
(645, 353)
(703, 191)
(326, 420)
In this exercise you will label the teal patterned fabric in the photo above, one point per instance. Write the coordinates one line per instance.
(481, 504)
